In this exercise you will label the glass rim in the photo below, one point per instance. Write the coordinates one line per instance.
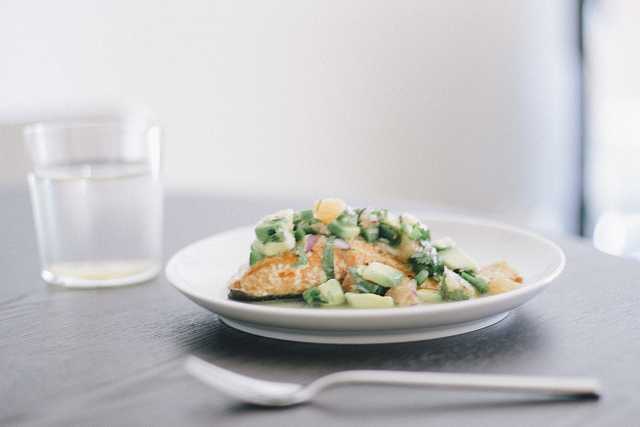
(40, 127)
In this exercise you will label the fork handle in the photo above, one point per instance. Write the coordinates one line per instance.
(559, 386)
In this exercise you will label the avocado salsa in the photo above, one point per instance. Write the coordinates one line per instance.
(335, 256)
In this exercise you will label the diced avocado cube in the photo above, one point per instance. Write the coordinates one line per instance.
(422, 276)
(275, 233)
(429, 296)
(306, 215)
(390, 219)
(348, 217)
(408, 219)
(455, 259)
(345, 225)
(382, 274)
(478, 282)
(408, 247)
(269, 225)
(299, 232)
(455, 288)
(275, 248)
(457, 295)
(270, 232)
(346, 232)
(368, 300)
(331, 292)
(413, 229)
(318, 228)
(255, 255)
(390, 227)
(365, 287)
(414, 232)
(370, 234)
(304, 223)
(368, 218)
(443, 243)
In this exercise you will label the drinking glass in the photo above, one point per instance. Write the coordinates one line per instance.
(97, 201)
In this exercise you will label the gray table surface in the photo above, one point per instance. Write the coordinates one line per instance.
(113, 357)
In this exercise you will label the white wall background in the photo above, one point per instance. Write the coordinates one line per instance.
(466, 103)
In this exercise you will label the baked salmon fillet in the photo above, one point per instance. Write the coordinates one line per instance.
(279, 276)
(333, 255)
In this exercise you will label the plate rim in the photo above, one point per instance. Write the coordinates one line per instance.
(263, 310)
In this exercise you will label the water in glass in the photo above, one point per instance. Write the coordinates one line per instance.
(98, 222)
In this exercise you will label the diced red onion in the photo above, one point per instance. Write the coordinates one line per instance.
(341, 244)
(311, 241)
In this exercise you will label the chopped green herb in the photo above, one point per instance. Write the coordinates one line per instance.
(345, 225)
(254, 256)
(416, 232)
(348, 217)
(302, 256)
(327, 258)
(313, 297)
(299, 232)
(369, 222)
(427, 259)
(306, 215)
(390, 227)
(303, 224)
(437, 269)
(390, 234)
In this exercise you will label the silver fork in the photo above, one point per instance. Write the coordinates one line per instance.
(269, 393)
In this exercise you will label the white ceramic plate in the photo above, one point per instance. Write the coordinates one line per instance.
(202, 270)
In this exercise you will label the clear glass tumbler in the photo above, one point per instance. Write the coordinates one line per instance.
(97, 201)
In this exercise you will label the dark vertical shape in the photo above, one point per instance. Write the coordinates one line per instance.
(582, 120)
